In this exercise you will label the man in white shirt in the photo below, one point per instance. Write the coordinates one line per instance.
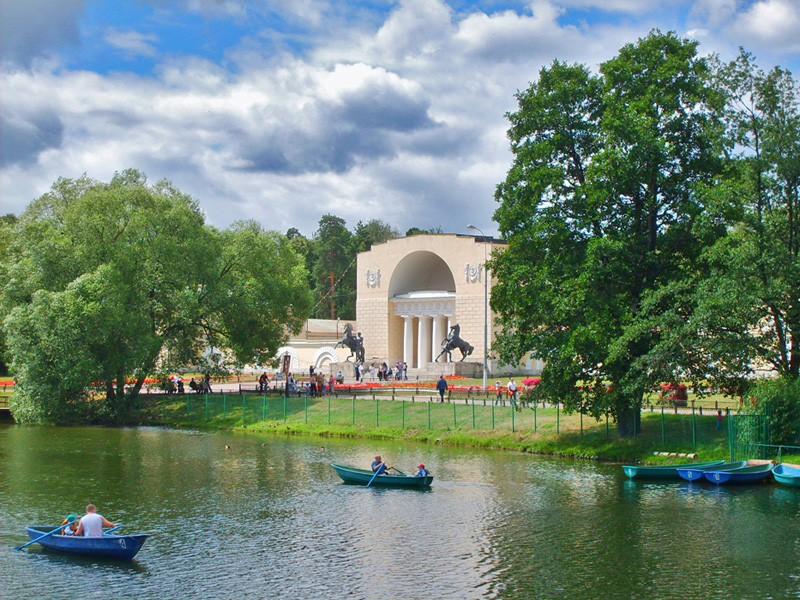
(512, 391)
(91, 524)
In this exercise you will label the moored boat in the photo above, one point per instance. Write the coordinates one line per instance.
(743, 475)
(355, 476)
(694, 473)
(123, 547)
(787, 475)
(664, 471)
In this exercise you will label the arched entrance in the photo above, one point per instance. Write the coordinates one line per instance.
(422, 293)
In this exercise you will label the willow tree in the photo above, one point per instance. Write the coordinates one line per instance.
(103, 281)
(599, 210)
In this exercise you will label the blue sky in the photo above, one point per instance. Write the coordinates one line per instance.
(282, 111)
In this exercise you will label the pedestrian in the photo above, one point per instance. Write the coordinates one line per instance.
(405, 371)
(719, 419)
(499, 400)
(512, 391)
(358, 372)
(441, 385)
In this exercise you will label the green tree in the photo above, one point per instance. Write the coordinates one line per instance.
(749, 302)
(7, 223)
(334, 271)
(372, 232)
(598, 209)
(105, 282)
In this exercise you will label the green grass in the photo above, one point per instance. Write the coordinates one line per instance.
(475, 424)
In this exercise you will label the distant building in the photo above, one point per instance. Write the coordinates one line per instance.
(411, 290)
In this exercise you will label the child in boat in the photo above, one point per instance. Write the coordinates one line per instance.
(71, 525)
(423, 472)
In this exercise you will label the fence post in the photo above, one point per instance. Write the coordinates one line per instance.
(244, 409)
(558, 418)
(581, 421)
(285, 399)
(663, 431)
(376, 410)
(354, 410)
(403, 411)
(608, 432)
(473, 413)
(513, 418)
(534, 417)
(455, 423)
(264, 407)
(224, 407)
(206, 407)
(694, 431)
(429, 413)
(329, 410)
(492, 416)
(305, 404)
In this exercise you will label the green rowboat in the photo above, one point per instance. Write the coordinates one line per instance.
(355, 476)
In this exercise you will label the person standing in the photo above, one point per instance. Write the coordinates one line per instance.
(512, 391)
(441, 385)
(719, 419)
(499, 400)
(358, 372)
(92, 523)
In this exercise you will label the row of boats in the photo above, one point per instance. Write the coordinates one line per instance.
(719, 472)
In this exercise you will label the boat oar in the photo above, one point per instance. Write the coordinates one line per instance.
(399, 471)
(41, 537)
(377, 470)
(112, 529)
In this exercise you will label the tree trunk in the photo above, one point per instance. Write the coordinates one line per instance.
(629, 419)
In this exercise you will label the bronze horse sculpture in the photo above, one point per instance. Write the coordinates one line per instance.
(356, 344)
(453, 341)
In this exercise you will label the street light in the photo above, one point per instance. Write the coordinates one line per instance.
(485, 309)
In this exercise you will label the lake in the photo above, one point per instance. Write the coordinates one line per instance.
(269, 518)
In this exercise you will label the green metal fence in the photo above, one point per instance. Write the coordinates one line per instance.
(748, 437)
(662, 428)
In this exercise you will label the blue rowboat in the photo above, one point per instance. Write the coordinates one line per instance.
(669, 472)
(743, 475)
(693, 473)
(123, 547)
(786, 475)
(364, 476)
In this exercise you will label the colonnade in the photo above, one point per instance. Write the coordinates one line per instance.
(430, 331)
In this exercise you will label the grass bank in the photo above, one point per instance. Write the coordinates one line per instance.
(471, 423)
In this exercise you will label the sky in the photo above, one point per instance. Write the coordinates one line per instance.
(283, 111)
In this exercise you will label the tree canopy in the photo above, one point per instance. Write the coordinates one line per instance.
(103, 283)
(601, 213)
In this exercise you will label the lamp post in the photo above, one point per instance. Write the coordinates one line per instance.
(485, 309)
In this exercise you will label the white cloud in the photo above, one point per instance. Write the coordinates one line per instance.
(770, 23)
(132, 43)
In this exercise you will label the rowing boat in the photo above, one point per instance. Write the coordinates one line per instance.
(123, 547)
(751, 474)
(355, 476)
(664, 471)
(786, 475)
(695, 473)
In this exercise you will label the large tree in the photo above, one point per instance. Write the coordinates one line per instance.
(334, 270)
(751, 303)
(599, 210)
(102, 282)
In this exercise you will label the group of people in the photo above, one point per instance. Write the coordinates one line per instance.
(379, 468)
(201, 387)
(89, 525)
(509, 390)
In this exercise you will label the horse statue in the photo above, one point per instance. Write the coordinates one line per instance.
(356, 344)
(453, 341)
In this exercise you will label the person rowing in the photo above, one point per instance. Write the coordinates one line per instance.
(91, 524)
(379, 467)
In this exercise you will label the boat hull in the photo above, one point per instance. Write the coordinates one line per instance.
(698, 474)
(744, 475)
(120, 547)
(354, 476)
(667, 472)
(786, 475)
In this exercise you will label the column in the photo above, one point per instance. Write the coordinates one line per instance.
(424, 341)
(408, 340)
(436, 338)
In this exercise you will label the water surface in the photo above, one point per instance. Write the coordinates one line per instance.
(269, 518)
